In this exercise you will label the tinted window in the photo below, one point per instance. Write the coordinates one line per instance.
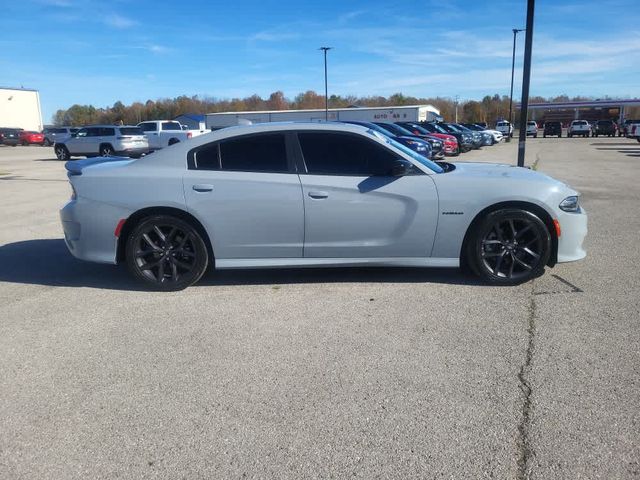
(107, 132)
(148, 127)
(171, 126)
(260, 153)
(83, 132)
(343, 154)
(208, 158)
(130, 131)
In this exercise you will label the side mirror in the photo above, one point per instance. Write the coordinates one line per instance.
(401, 168)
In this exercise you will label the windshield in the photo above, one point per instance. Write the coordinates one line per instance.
(439, 128)
(416, 156)
(395, 129)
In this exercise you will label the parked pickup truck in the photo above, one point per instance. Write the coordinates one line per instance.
(605, 127)
(579, 127)
(633, 130)
(162, 133)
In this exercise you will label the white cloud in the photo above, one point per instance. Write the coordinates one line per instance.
(118, 21)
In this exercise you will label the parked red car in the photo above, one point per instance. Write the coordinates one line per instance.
(31, 138)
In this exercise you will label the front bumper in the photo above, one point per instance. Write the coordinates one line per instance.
(573, 232)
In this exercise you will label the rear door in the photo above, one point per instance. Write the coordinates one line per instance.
(79, 144)
(247, 193)
(355, 208)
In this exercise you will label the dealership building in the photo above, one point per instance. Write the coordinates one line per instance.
(20, 108)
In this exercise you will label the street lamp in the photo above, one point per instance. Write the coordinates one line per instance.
(513, 64)
(326, 91)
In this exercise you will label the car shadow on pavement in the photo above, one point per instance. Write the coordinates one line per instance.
(48, 262)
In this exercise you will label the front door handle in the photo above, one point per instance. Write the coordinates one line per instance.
(203, 187)
(317, 194)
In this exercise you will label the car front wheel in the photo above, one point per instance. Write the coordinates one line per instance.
(166, 253)
(509, 247)
(106, 150)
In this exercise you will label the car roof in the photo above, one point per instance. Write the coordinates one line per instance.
(168, 156)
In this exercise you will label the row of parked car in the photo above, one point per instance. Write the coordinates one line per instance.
(18, 136)
(576, 128)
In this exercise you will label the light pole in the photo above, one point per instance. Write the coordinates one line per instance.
(326, 90)
(457, 98)
(526, 80)
(513, 64)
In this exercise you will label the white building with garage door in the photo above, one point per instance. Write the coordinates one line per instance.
(20, 108)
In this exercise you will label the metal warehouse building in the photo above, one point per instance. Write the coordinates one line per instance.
(20, 108)
(409, 113)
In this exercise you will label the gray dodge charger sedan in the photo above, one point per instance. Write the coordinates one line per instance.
(315, 195)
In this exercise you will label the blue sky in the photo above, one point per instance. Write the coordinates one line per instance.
(98, 52)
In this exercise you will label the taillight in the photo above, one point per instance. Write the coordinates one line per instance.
(189, 134)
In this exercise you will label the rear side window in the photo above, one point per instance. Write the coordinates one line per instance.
(259, 153)
(171, 126)
(344, 154)
(107, 132)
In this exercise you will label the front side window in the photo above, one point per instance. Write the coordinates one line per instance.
(328, 153)
(255, 153)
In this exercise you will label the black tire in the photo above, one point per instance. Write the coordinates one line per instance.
(544, 135)
(106, 150)
(166, 253)
(25, 143)
(47, 142)
(61, 152)
(509, 247)
(559, 135)
(535, 136)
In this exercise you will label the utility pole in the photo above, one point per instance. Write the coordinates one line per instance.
(326, 89)
(513, 64)
(526, 80)
(457, 97)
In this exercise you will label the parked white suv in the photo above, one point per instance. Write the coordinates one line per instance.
(103, 140)
(505, 128)
(532, 129)
(579, 127)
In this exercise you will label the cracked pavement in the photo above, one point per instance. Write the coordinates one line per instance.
(366, 373)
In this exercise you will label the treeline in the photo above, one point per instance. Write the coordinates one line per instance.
(489, 109)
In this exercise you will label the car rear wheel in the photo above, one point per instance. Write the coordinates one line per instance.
(106, 150)
(61, 152)
(509, 247)
(166, 253)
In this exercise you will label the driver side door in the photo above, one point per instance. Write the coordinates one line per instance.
(355, 207)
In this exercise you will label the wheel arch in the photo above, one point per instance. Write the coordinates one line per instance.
(537, 210)
(137, 216)
(173, 141)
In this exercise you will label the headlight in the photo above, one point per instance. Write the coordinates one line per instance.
(570, 204)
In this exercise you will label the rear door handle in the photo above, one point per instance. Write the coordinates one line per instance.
(203, 187)
(317, 194)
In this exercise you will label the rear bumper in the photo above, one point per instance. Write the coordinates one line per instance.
(89, 230)
(133, 152)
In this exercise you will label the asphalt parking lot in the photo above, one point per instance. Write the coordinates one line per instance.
(365, 373)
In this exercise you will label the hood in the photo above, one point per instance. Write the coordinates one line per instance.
(502, 170)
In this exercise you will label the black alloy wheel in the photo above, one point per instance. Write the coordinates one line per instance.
(106, 150)
(509, 247)
(166, 253)
(61, 152)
